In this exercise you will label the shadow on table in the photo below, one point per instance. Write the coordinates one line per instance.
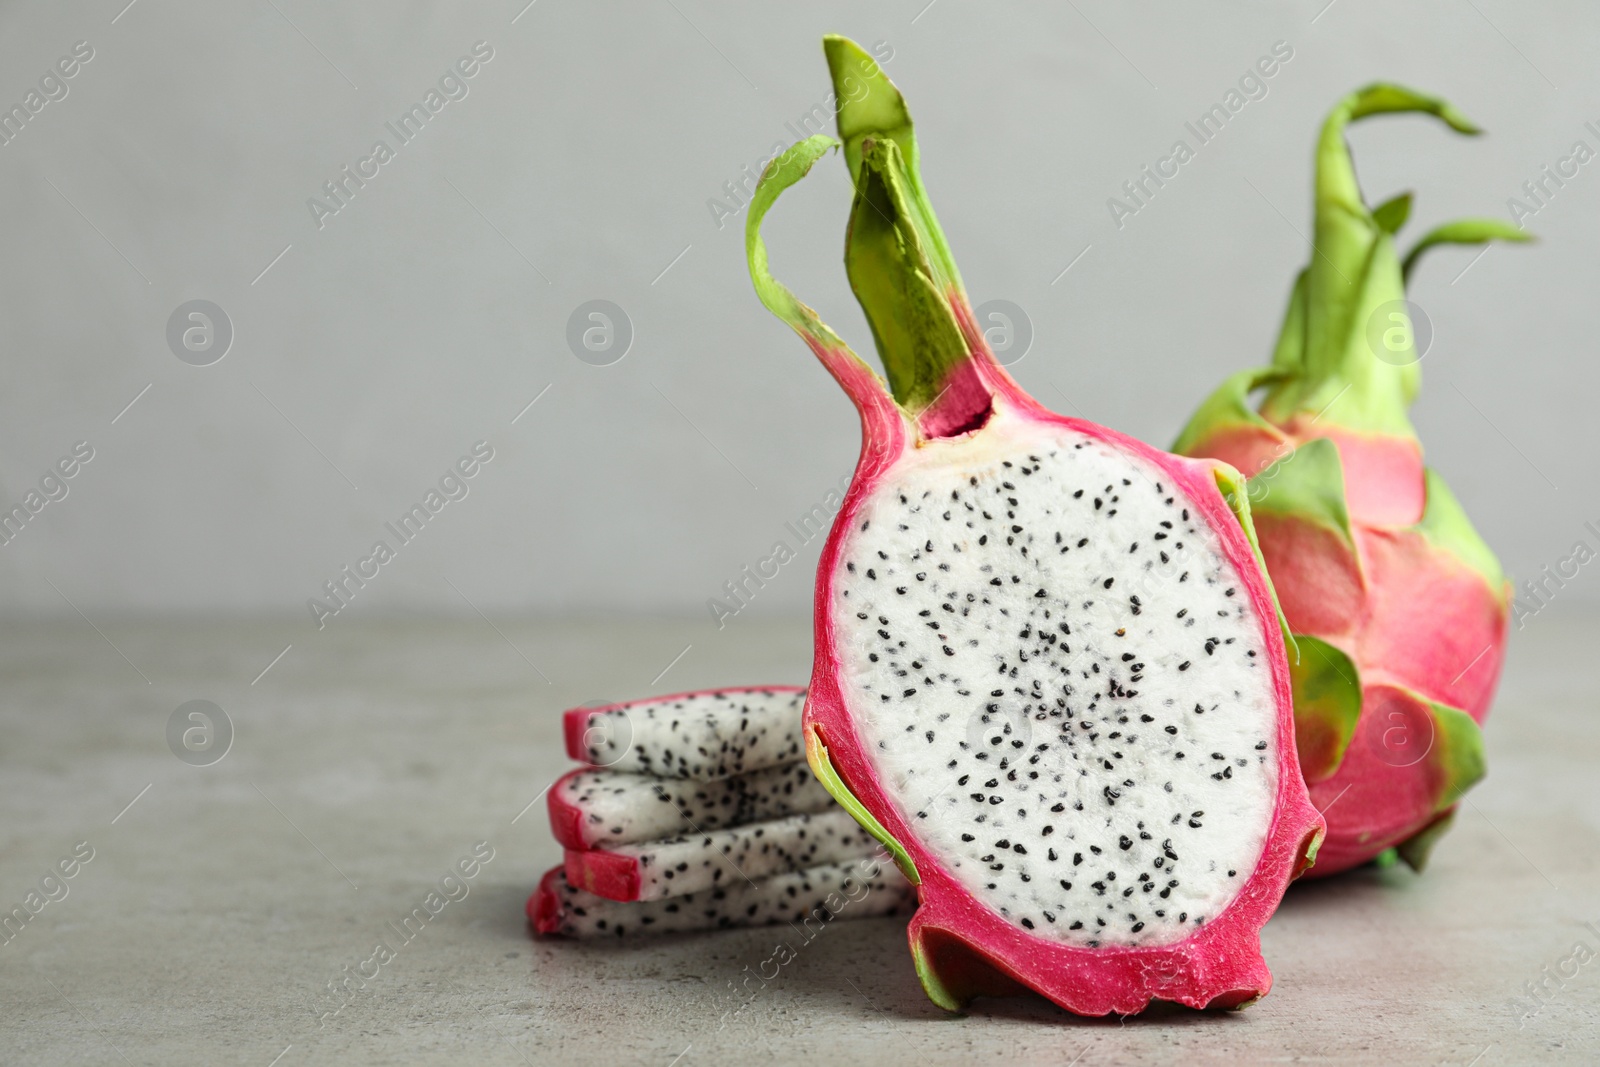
(863, 966)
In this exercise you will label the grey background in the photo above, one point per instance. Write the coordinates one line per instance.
(426, 314)
(370, 354)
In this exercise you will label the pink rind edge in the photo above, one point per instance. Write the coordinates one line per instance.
(544, 905)
(612, 875)
(573, 724)
(566, 820)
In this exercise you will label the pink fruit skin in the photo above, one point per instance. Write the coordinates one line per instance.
(971, 949)
(1372, 804)
(574, 723)
(544, 906)
(1383, 474)
(567, 821)
(1411, 616)
(605, 874)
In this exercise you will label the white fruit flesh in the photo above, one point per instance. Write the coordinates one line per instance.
(1061, 682)
(693, 862)
(619, 809)
(810, 899)
(701, 735)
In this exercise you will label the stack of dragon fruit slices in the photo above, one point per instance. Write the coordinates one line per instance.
(697, 811)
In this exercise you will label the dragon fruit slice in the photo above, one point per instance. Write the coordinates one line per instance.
(1398, 607)
(1049, 674)
(693, 862)
(703, 735)
(603, 809)
(859, 890)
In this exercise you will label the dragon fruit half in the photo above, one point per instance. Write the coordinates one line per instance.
(1399, 610)
(1049, 673)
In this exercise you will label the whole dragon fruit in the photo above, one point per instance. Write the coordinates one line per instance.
(1049, 674)
(1399, 610)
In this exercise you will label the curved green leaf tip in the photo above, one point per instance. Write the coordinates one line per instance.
(1382, 98)
(1463, 232)
(1345, 227)
(781, 173)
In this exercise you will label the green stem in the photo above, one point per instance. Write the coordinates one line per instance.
(898, 261)
(870, 106)
(1353, 274)
(892, 272)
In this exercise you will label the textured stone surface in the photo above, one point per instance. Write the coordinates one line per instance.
(371, 758)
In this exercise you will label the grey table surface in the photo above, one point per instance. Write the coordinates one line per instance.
(222, 900)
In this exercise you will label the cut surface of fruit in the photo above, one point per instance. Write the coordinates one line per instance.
(1083, 732)
(811, 899)
(689, 863)
(702, 735)
(604, 808)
